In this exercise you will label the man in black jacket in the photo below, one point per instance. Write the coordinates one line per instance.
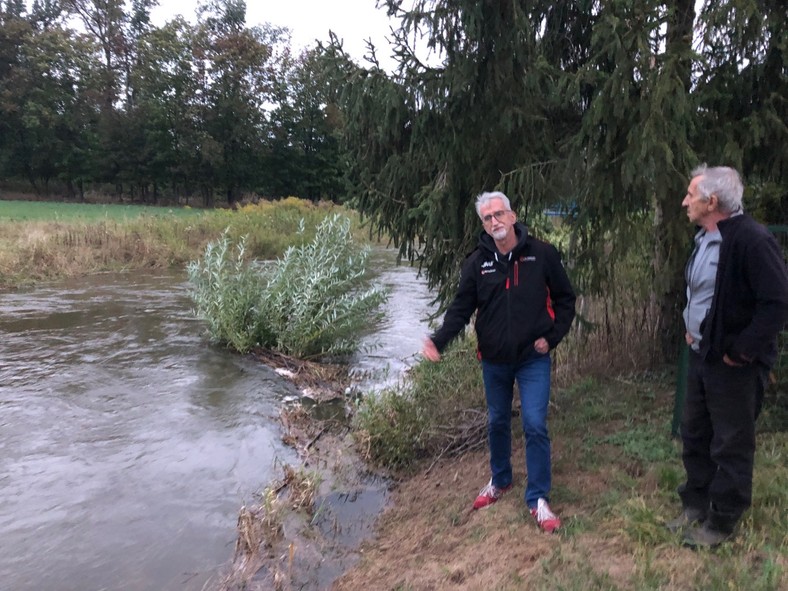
(524, 306)
(737, 303)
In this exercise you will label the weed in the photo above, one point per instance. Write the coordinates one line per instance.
(259, 524)
(645, 443)
(641, 522)
(302, 488)
(438, 412)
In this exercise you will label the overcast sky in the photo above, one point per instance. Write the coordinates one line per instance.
(353, 21)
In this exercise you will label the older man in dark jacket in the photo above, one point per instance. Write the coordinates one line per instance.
(524, 306)
(737, 303)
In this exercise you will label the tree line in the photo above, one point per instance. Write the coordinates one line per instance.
(598, 108)
(93, 96)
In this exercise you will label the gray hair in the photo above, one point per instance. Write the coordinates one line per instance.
(484, 198)
(722, 181)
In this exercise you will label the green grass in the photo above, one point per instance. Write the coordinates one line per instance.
(616, 470)
(22, 211)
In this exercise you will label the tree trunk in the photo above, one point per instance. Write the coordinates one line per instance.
(670, 224)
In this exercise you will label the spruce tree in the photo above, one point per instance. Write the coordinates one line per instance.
(600, 107)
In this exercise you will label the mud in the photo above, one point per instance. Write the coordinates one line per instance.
(317, 544)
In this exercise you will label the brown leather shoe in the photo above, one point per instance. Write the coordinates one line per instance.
(688, 516)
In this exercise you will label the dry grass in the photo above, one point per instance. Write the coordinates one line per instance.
(260, 530)
(318, 381)
(615, 470)
(31, 252)
(612, 335)
(41, 250)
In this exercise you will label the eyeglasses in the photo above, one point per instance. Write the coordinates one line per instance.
(499, 215)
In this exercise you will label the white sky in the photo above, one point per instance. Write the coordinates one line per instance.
(352, 21)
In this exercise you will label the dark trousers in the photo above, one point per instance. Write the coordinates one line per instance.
(718, 432)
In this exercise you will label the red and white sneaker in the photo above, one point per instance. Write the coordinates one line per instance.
(546, 519)
(488, 495)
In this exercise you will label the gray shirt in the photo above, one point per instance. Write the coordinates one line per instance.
(701, 275)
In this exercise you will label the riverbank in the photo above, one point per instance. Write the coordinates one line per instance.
(42, 242)
(616, 469)
(304, 530)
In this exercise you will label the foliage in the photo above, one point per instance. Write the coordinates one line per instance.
(177, 112)
(227, 292)
(312, 302)
(439, 410)
(315, 301)
(598, 109)
(304, 155)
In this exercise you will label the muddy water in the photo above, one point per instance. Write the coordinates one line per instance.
(127, 444)
(388, 350)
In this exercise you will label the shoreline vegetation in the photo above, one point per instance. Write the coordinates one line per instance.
(616, 466)
(46, 241)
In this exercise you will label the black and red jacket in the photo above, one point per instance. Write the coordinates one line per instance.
(519, 297)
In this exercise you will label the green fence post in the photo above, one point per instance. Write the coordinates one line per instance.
(681, 389)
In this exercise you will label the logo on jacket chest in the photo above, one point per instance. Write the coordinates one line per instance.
(488, 267)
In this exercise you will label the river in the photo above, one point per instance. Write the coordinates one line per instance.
(128, 444)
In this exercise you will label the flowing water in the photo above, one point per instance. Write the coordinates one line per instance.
(127, 444)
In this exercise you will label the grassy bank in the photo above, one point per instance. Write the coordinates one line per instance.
(615, 473)
(46, 241)
(616, 470)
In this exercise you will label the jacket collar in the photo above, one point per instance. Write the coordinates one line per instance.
(487, 244)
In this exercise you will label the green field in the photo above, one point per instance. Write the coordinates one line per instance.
(47, 211)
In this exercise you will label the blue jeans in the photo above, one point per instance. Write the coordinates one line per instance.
(533, 381)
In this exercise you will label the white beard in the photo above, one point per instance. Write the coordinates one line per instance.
(499, 234)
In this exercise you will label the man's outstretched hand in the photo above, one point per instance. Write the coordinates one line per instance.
(430, 351)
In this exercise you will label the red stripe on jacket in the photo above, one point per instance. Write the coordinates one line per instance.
(550, 310)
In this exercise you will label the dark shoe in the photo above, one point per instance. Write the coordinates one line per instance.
(705, 536)
(688, 516)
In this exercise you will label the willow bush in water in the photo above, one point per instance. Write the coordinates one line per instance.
(312, 302)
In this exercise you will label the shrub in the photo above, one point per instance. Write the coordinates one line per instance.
(438, 411)
(313, 302)
(316, 300)
(227, 292)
